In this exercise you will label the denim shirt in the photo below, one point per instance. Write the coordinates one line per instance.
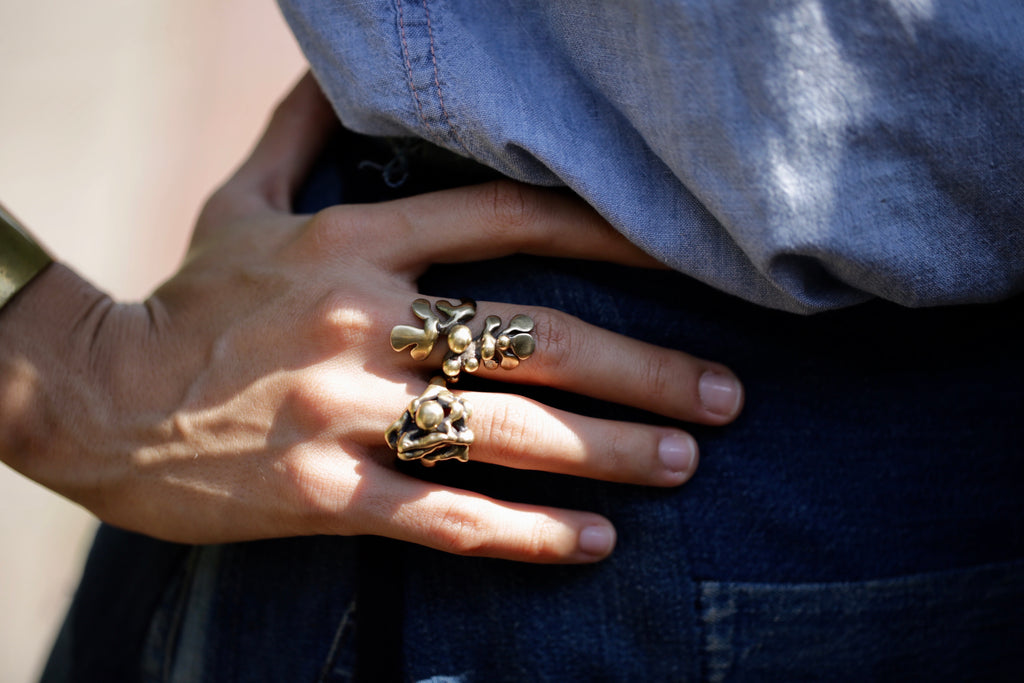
(803, 155)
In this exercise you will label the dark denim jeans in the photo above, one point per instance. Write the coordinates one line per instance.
(862, 520)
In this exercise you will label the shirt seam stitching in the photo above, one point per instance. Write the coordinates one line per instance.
(437, 81)
(408, 65)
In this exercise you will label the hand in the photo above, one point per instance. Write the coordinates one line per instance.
(247, 398)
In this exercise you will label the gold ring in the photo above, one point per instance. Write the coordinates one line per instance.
(433, 427)
(495, 346)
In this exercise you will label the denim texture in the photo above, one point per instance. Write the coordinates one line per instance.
(803, 154)
(862, 520)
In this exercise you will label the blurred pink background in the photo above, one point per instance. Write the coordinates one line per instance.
(118, 118)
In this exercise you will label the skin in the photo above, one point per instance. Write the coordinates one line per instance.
(247, 397)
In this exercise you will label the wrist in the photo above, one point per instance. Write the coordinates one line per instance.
(47, 377)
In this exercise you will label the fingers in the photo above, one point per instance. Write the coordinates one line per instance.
(466, 523)
(496, 219)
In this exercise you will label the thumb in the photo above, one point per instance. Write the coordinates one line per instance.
(298, 130)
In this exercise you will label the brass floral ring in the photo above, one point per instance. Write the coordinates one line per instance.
(495, 346)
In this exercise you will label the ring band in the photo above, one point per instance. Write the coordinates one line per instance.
(434, 425)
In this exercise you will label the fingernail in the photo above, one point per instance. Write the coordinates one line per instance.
(720, 393)
(597, 540)
(677, 452)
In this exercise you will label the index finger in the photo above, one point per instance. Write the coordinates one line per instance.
(496, 219)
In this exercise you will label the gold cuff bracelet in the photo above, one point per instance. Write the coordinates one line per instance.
(21, 259)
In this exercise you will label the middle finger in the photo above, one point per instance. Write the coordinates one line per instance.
(584, 359)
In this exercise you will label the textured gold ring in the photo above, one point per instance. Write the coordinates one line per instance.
(433, 427)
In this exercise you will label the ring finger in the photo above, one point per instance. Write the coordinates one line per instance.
(514, 431)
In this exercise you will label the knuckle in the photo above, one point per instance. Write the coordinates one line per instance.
(309, 408)
(620, 451)
(342, 321)
(311, 495)
(507, 430)
(655, 374)
(509, 207)
(332, 232)
(536, 544)
(558, 338)
(458, 530)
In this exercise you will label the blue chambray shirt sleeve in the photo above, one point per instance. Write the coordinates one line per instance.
(803, 155)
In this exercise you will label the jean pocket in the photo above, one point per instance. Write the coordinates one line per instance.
(162, 638)
(960, 625)
(276, 610)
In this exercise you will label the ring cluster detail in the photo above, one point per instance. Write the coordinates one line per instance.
(434, 426)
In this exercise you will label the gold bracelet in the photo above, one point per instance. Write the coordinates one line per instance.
(21, 259)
